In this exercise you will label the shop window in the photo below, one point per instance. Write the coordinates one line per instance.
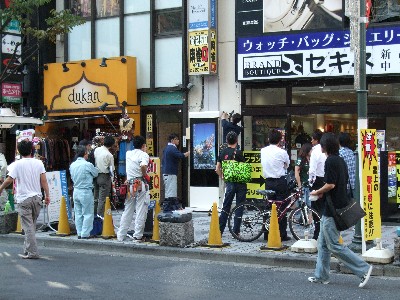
(384, 93)
(81, 8)
(169, 22)
(79, 42)
(324, 94)
(260, 128)
(162, 4)
(107, 37)
(168, 56)
(107, 8)
(268, 96)
(136, 6)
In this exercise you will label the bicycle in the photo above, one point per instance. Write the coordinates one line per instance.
(249, 220)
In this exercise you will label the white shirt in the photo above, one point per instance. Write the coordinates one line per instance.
(317, 163)
(135, 159)
(26, 173)
(104, 160)
(274, 161)
(3, 166)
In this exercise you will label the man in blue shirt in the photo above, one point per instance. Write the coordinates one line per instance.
(169, 166)
(82, 174)
(348, 155)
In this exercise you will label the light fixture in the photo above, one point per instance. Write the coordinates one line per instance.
(46, 67)
(103, 106)
(65, 68)
(124, 105)
(103, 63)
(83, 64)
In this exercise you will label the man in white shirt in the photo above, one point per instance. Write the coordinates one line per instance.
(30, 177)
(275, 161)
(137, 161)
(104, 162)
(316, 173)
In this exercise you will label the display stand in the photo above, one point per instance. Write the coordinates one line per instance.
(46, 224)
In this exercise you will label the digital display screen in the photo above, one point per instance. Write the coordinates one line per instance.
(204, 148)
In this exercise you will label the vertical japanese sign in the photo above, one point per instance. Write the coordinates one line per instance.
(58, 187)
(370, 184)
(154, 172)
(393, 170)
(257, 180)
(397, 176)
(149, 134)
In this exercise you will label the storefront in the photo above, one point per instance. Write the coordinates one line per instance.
(301, 81)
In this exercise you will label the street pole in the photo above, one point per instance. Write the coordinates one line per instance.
(360, 83)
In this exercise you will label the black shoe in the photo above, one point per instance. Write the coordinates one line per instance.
(285, 238)
(87, 237)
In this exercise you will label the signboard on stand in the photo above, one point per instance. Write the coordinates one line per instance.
(58, 187)
(154, 172)
(257, 180)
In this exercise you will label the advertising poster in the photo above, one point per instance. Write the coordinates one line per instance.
(257, 180)
(398, 176)
(58, 187)
(393, 165)
(204, 150)
(370, 184)
(153, 171)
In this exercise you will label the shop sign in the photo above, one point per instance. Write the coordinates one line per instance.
(315, 54)
(393, 169)
(159, 98)
(149, 123)
(13, 27)
(257, 180)
(11, 92)
(201, 14)
(370, 184)
(9, 42)
(154, 172)
(202, 52)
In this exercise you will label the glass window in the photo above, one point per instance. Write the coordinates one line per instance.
(107, 37)
(324, 94)
(169, 22)
(163, 4)
(136, 6)
(107, 8)
(137, 43)
(268, 96)
(168, 62)
(260, 127)
(81, 8)
(79, 42)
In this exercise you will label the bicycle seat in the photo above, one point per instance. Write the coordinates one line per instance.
(270, 194)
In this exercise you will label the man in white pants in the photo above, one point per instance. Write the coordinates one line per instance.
(137, 161)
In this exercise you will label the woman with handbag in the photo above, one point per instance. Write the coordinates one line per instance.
(335, 189)
(232, 187)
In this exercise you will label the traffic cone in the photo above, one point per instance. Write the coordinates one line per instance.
(274, 237)
(156, 228)
(214, 237)
(108, 228)
(340, 239)
(19, 227)
(63, 225)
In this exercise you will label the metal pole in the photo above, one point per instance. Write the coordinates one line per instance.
(362, 118)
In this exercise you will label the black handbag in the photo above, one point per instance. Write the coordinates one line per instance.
(347, 216)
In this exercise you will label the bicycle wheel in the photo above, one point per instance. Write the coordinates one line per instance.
(300, 222)
(245, 222)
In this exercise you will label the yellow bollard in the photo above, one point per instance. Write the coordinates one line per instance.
(63, 225)
(274, 238)
(19, 227)
(108, 227)
(214, 237)
(156, 226)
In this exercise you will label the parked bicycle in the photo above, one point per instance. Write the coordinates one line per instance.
(249, 220)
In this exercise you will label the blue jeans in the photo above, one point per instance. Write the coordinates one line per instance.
(232, 189)
(328, 242)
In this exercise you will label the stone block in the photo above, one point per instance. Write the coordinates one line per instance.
(176, 234)
(397, 250)
(8, 221)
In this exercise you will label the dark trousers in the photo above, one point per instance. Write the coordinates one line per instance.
(279, 185)
(232, 189)
(317, 205)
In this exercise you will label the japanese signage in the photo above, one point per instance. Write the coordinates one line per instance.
(202, 52)
(393, 169)
(201, 14)
(257, 180)
(11, 43)
(149, 134)
(58, 187)
(370, 184)
(154, 172)
(11, 92)
(315, 54)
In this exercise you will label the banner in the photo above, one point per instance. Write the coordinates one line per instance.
(153, 171)
(370, 187)
(257, 180)
(58, 187)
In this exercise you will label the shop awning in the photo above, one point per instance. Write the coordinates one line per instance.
(8, 118)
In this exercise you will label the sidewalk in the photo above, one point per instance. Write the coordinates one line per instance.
(236, 252)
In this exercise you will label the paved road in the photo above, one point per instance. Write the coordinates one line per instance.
(71, 274)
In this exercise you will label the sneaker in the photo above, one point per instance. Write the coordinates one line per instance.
(365, 278)
(316, 280)
(27, 256)
(137, 240)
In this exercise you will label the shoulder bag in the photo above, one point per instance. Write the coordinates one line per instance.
(235, 171)
(347, 216)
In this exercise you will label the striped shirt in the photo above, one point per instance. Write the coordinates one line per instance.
(348, 156)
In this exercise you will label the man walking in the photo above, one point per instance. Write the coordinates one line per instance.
(104, 162)
(137, 161)
(335, 186)
(232, 188)
(82, 174)
(169, 166)
(30, 176)
(274, 162)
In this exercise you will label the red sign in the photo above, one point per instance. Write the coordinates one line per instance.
(11, 89)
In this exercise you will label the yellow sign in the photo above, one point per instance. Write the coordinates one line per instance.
(154, 173)
(150, 146)
(202, 52)
(257, 180)
(149, 123)
(81, 87)
(370, 184)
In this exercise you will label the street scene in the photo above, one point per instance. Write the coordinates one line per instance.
(200, 148)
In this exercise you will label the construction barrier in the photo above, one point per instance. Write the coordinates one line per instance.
(274, 237)
(63, 228)
(108, 227)
(214, 237)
